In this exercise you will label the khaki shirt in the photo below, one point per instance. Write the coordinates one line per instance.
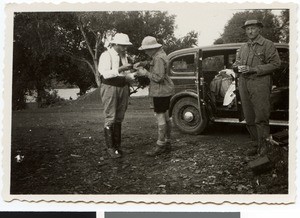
(261, 55)
(160, 83)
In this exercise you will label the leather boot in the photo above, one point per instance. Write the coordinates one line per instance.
(160, 146)
(263, 148)
(253, 150)
(252, 131)
(109, 141)
(117, 136)
(168, 135)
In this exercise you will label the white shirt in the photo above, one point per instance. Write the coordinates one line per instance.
(109, 63)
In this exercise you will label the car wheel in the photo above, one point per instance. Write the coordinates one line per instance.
(187, 118)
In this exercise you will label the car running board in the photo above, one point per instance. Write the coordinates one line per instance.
(235, 120)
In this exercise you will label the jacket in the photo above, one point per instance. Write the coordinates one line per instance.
(160, 83)
(261, 55)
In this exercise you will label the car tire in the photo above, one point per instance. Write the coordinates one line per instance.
(186, 116)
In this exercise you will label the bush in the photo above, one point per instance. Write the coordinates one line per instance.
(51, 98)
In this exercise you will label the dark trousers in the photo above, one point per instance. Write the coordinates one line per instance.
(255, 96)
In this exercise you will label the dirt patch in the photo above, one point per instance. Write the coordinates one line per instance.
(63, 152)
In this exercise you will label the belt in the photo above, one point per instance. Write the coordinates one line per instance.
(119, 81)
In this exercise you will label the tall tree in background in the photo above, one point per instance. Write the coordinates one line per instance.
(188, 41)
(85, 33)
(275, 27)
(66, 45)
(284, 22)
(33, 51)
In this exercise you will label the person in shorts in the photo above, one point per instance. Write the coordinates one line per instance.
(161, 89)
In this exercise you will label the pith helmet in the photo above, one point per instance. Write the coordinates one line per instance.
(252, 22)
(149, 42)
(121, 39)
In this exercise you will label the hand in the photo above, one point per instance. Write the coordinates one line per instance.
(130, 77)
(140, 64)
(141, 72)
(137, 65)
(125, 67)
(244, 69)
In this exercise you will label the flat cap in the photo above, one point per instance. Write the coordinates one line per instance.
(252, 22)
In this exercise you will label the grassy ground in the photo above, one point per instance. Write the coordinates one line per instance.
(64, 153)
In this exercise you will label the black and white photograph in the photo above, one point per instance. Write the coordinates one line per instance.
(173, 102)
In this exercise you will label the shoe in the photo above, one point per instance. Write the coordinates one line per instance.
(263, 150)
(168, 146)
(117, 136)
(113, 153)
(252, 151)
(157, 150)
(252, 148)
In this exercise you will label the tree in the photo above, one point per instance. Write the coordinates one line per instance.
(33, 41)
(234, 33)
(66, 45)
(97, 28)
(218, 41)
(173, 44)
(284, 22)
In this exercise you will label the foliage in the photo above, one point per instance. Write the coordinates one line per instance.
(66, 46)
(275, 27)
(284, 22)
(218, 41)
(33, 43)
(173, 44)
(51, 98)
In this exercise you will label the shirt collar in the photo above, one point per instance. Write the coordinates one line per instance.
(112, 51)
(259, 40)
(159, 51)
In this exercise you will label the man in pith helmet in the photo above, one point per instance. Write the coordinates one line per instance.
(115, 77)
(161, 88)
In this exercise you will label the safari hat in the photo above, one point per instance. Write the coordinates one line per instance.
(252, 22)
(121, 39)
(149, 42)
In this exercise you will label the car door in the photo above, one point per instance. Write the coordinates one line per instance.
(182, 71)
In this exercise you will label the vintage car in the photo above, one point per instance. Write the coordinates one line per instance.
(201, 76)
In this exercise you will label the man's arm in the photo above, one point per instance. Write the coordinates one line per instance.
(105, 66)
(158, 73)
(272, 61)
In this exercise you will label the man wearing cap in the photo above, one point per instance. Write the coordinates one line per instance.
(161, 88)
(115, 76)
(255, 62)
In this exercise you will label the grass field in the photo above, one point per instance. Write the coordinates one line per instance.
(64, 153)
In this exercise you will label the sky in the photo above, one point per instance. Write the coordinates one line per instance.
(208, 22)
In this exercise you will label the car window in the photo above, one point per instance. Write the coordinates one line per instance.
(281, 76)
(213, 63)
(284, 57)
(184, 64)
(231, 60)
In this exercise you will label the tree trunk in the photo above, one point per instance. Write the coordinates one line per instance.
(96, 73)
(41, 94)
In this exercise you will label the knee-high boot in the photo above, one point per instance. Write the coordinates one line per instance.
(118, 136)
(253, 150)
(109, 141)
